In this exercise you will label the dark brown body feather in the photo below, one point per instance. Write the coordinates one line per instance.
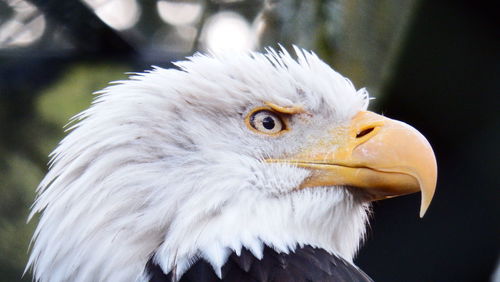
(306, 264)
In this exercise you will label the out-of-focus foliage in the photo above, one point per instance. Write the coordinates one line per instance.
(54, 104)
(361, 39)
(18, 176)
(20, 171)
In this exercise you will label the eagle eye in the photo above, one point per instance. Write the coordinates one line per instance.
(265, 121)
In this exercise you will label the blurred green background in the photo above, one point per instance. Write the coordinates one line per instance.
(432, 64)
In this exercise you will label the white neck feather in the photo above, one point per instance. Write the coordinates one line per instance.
(283, 223)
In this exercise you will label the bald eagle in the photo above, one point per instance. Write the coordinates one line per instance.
(233, 167)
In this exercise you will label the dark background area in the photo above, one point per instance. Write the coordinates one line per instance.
(446, 84)
(444, 80)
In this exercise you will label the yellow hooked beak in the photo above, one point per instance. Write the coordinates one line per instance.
(384, 157)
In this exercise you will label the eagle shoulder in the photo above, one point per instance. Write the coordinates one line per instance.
(305, 264)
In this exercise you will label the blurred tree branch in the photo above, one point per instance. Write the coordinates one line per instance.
(89, 34)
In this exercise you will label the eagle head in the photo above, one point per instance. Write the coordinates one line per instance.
(225, 153)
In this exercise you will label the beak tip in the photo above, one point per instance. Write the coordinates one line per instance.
(423, 208)
(425, 202)
(422, 212)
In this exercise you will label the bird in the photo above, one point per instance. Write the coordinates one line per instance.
(236, 166)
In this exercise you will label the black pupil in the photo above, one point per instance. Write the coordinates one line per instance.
(268, 123)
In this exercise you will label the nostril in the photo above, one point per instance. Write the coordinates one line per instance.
(365, 132)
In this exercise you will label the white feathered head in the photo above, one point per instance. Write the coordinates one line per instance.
(228, 151)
